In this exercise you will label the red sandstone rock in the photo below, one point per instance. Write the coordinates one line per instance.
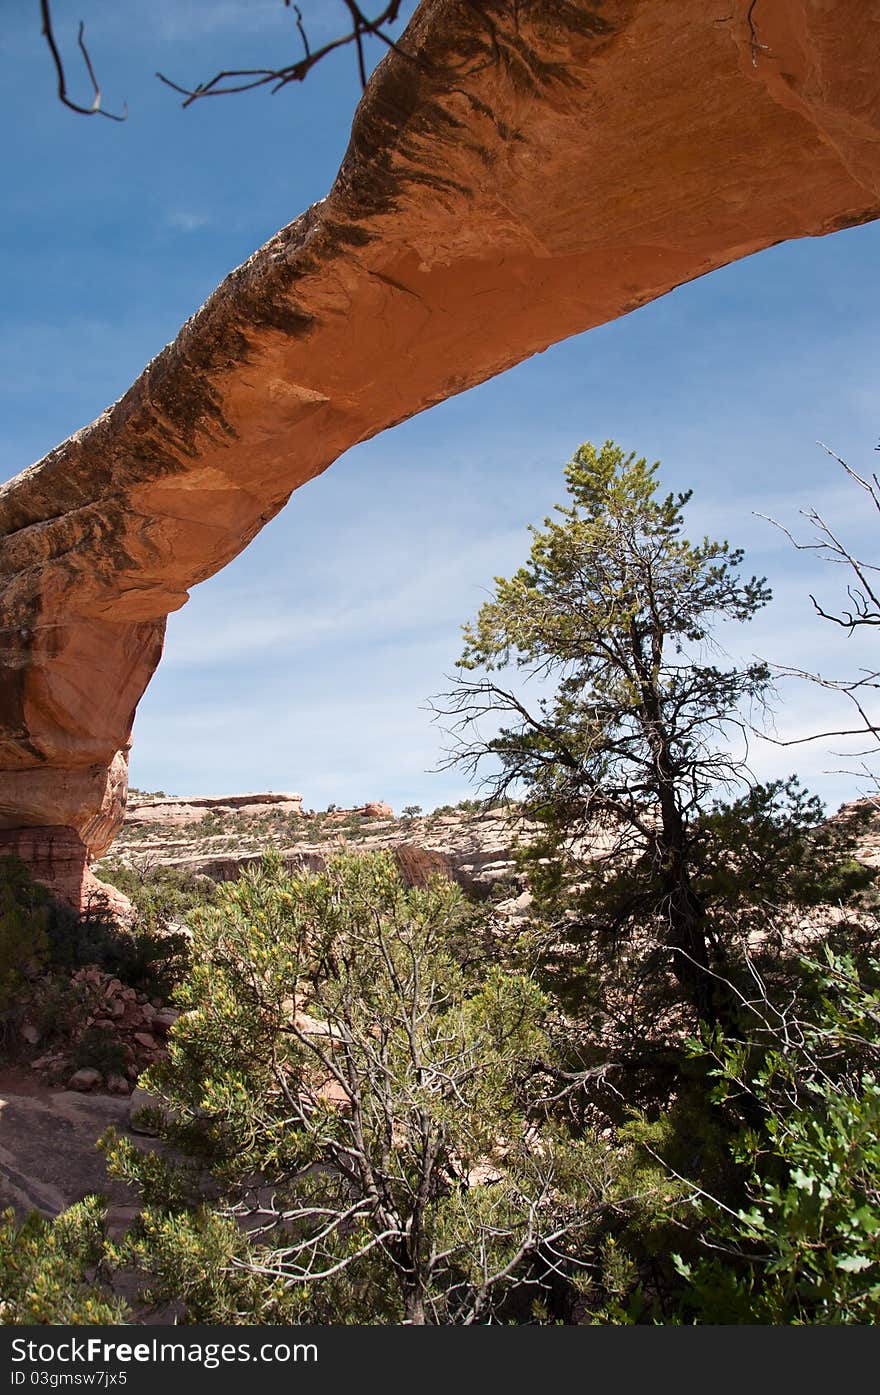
(419, 864)
(479, 216)
(376, 810)
(58, 859)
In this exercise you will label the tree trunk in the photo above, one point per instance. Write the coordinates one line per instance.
(414, 1304)
(687, 936)
(685, 911)
(687, 920)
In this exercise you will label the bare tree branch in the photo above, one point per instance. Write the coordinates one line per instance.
(863, 613)
(363, 26)
(96, 109)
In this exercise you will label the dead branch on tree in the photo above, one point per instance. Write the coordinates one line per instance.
(96, 109)
(363, 27)
(863, 611)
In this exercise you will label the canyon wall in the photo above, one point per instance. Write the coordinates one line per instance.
(518, 174)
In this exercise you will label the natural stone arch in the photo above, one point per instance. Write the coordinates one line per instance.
(536, 171)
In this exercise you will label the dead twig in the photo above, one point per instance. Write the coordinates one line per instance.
(96, 109)
(363, 26)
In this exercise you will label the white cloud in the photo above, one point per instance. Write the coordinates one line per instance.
(366, 605)
(187, 221)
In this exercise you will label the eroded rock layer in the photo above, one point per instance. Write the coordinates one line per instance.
(164, 809)
(527, 172)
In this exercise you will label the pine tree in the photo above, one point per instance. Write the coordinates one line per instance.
(615, 610)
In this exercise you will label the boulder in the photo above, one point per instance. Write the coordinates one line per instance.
(165, 1018)
(84, 1079)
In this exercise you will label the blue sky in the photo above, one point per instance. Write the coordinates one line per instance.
(306, 664)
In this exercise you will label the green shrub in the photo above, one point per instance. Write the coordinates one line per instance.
(56, 1007)
(41, 936)
(51, 1271)
(161, 895)
(100, 1050)
(338, 1073)
(801, 1244)
(143, 957)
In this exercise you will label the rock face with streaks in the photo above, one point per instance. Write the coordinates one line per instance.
(527, 172)
(58, 858)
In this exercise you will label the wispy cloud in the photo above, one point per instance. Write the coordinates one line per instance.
(367, 606)
(175, 21)
(186, 221)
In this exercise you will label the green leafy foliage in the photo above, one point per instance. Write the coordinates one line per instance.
(802, 1245)
(757, 865)
(43, 942)
(645, 886)
(772, 848)
(161, 895)
(615, 564)
(100, 1050)
(153, 954)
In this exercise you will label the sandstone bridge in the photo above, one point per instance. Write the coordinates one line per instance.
(530, 171)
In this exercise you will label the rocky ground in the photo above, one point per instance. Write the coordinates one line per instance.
(476, 848)
(48, 1158)
(53, 1108)
(105, 1010)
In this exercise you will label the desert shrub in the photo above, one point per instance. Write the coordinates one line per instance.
(145, 958)
(760, 865)
(51, 1271)
(154, 954)
(100, 1049)
(56, 1006)
(41, 936)
(160, 895)
(753, 1192)
(340, 1076)
(464, 806)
